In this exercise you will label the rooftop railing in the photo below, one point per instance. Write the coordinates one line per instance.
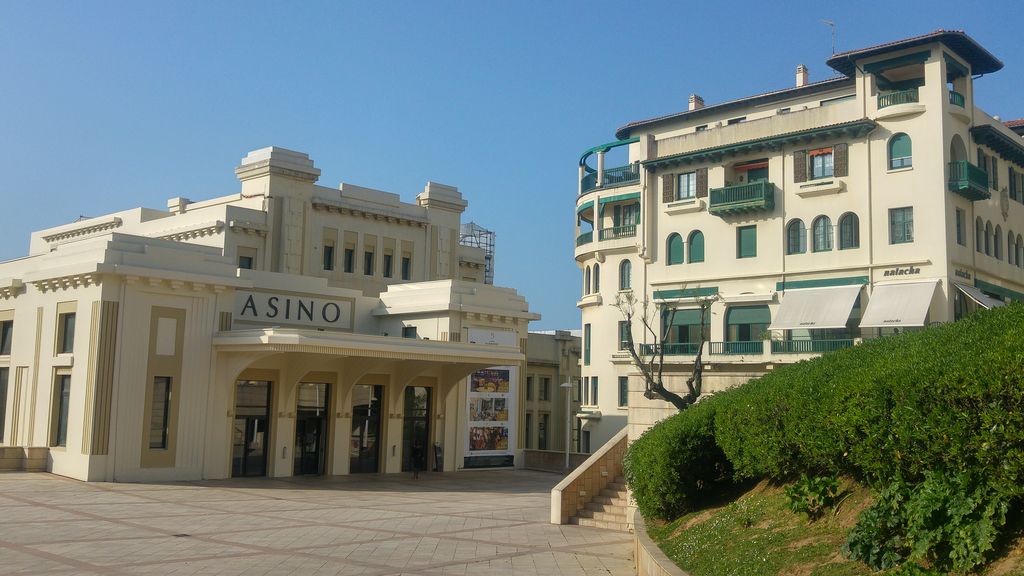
(956, 99)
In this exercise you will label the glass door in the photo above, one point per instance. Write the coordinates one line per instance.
(416, 428)
(364, 444)
(311, 429)
(251, 432)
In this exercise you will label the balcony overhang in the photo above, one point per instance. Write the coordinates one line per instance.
(1009, 148)
(852, 129)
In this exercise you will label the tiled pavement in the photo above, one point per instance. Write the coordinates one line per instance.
(480, 522)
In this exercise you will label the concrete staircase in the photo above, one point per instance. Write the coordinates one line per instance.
(607, 509)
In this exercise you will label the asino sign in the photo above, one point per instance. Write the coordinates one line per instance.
(293, 310)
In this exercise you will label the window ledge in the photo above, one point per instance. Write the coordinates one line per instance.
(589, 300)
(65, 360)
(898, 170)
(684, 206)
(821, 187)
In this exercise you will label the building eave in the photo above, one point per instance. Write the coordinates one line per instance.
(1008, 147)
(981, 60)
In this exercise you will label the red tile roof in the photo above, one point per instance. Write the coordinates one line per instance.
(1014, 123)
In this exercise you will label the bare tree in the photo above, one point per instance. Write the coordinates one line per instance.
(650, 359)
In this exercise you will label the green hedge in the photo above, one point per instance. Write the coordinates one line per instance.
(897, 411)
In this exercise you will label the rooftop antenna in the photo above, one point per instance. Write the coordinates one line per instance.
(831, 25)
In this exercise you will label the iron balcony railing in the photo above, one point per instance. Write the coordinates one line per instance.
(956, 98)
(671, 348)
(898, 97)
(735, 348)
(618, 232)
(585, 238)
(809, 346)
(758, 195)
(618, 176)
(968, 180)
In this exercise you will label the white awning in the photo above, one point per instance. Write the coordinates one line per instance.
(815, 308)
(899, 304)
(979, 297)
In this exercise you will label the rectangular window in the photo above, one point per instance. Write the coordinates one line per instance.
(66, 333)
(408, 331)
(732, 121)
(623, 391)
(585, 398)
(6, 337)
(586, 344)
(529, 387)
(328, 256)
(3, 401)
(961, 224)
(528, 433)
(687, 186)
(368, 263)
(387, 265)
(61, 405)
(542, 432)
(821, 163)
(545, 389)
(623, 335)
(593, 390)
(901, 225)
(246, 257)
(159, 412)
(406, 268)
(350, 260)
(746, 242)
(701, 128)
(245, 262)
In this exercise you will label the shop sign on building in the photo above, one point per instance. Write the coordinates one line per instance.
(277, 309)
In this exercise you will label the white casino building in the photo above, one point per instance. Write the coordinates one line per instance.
(882, 199)
(286, 329)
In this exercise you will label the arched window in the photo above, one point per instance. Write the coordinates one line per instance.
(988, 238)
(597, 278)
(625, 271)
(674, 249)
(1020, 251)
(899, 151)
(1011, 252)
(796, 237)
(997, 243)
(586, 281)
(979, 235)
(696, 242)
(822, 228)
(849, 231)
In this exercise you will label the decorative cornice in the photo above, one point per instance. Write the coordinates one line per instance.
(11, 288)
(326, 206)
(198, 231)
(67, 282)
(89, 229)
(245, 227)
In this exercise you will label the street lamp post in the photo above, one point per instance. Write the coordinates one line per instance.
(568, 419)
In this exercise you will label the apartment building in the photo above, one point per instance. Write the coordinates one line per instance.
(287, 328)
(879, 200)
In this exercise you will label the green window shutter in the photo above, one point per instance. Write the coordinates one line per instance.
(675, 249)
(994, 162)
(800, 166)
(696, 246)
(748, 315)
(702, 182)
(586, 344)
(899, 146)
(668, 193)
(841, 160)
(746, 242)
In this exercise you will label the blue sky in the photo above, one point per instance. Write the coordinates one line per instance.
(110, 105)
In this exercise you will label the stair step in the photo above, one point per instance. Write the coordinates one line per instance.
(602, 516)
(620, 494)
(620, 480)
(607, 508)
(616, 486)
(591, 522)
(611, 500)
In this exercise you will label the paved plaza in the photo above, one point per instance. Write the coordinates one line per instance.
(480, 522)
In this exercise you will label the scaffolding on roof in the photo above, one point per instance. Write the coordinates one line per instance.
(471, 234)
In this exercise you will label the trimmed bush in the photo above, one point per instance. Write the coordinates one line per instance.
(674, 462)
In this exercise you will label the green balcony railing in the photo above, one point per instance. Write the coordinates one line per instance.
(956, 98)
(736, 348)
(585, 238)
(968, 180)
(618, 176)
(618, 232)
(898, 97)
(751, 197)
(672, 348)
(809, 346)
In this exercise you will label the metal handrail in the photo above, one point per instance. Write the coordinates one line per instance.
(734, 348)
(908, 96)
(618, 232)
(956, 98)
(809, 346)
(585, 238)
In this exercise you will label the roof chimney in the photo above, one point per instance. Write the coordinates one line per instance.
(696, 102)
(801, 75)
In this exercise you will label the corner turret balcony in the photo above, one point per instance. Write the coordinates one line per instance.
(618, 232)
(968, 180)
(585, 238)
(897, 97)
(956, 99)
(741, 198)
(612, 177)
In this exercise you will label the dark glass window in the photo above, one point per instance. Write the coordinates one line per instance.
(387, 265)
(328, 257)
(66, 342)
(368, 263)
(159, 412)
(6, 337)
(406, 268)
(623, 391)
(350, 260)
(61, 407)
